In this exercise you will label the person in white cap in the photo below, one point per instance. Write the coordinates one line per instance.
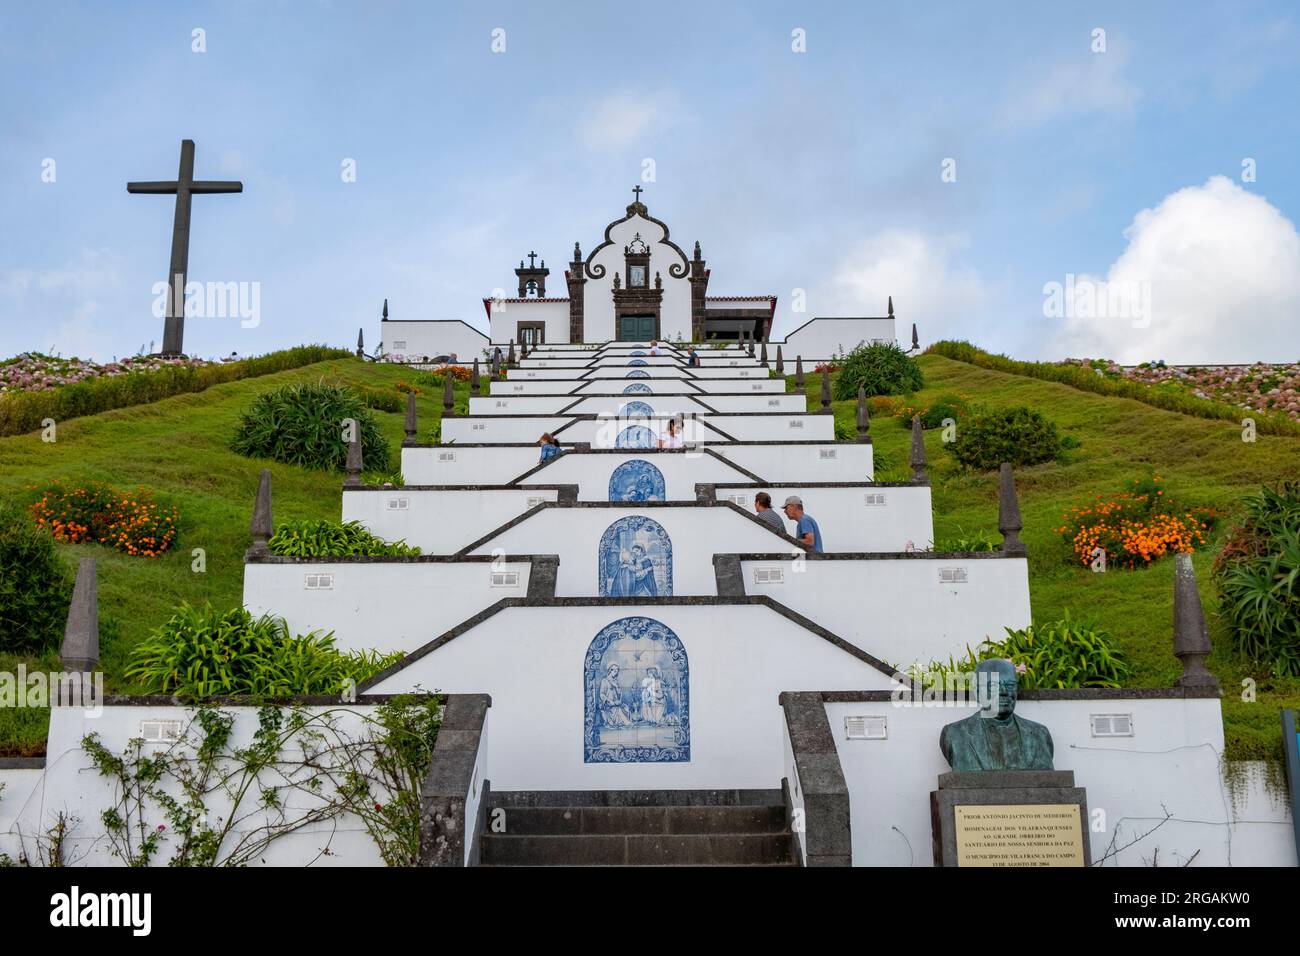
(806, 530)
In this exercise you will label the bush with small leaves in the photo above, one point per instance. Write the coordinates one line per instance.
(881, 368)
(1019, 435)
(35, 587)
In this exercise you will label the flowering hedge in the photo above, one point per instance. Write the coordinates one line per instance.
(128, 521)
(458, 372)
(135, 382)
(1135, 527)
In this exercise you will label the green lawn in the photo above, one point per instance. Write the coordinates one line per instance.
(1203, 462)
(178, 447)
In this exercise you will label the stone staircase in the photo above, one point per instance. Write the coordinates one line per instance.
(637, 828)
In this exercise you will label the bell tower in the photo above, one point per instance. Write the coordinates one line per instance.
(533, 278)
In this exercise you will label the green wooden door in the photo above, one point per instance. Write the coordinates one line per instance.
(636, 328)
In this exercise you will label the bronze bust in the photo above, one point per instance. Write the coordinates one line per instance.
(994, 738)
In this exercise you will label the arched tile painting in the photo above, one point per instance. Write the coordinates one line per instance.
(638, 362)
(637, 480)
(636, 388)
(636, 682)
(639, 352)
(636, 410)
(635, 436)
(635, 559)
(637, 373)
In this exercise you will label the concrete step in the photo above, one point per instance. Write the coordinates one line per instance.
(635, 798)
(694, 849)
(559, 821)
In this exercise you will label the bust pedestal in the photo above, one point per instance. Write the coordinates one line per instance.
(1009, 818)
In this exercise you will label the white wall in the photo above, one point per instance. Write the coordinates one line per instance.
(812, 462)
(660, 386)
(506, 316)
(682, 470)
(897, 609)
(431, 338)
(598, 300)
(847, 523)
(465, 465)
(72, 784)
(824, 338)
(1173, 760)
(385, 606)
(530, 659)
(438, 520)
(697, 533)
(745, 402)
(20, 802)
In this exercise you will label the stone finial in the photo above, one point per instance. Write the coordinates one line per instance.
(475, 382)
(891, 306)
(494, 367)
(361, 343)
(659, 280)
(798, 371)
(1191, 637)
(763, 354)
(918, 450)
(510, 356)
(262, 526)
(751, 346)
(697, 249)
(353, 467)
(385, 318)
(411, 427)
(864, 418)
(916, 343)
(1009, 512)
(448, 395)
(780, 362)
(826, 392)
(80, 648)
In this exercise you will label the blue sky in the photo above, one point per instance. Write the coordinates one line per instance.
(818, 170)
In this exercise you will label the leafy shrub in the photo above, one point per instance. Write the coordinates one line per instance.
(303, 425)
(932, 416)
(128, 521)
(200, 652)
(1019, 435)
(329, 539)
(34, 585)
(1258, 573)
(22, 412)
(976, 541)
(846, 426)
(380, 400)
(1056, 654)
(881, 369)
(459, 373)
(1135, 527)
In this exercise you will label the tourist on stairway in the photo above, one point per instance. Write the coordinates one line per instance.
(806, 530)
(654, 347)
(766, 513)
(550, 447)
(693, 357)
(672, 438)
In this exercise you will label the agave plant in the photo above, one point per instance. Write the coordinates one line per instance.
(329, 539)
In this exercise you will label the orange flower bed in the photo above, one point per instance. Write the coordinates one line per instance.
(128, 521)
(1135, 527)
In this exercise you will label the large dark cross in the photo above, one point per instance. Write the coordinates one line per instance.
(532, 260)
(636, 190)
(183, 187)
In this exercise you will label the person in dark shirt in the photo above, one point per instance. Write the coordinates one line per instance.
(766, 513)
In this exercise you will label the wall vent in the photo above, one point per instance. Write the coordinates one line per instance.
(478, 426)
(952, 575)
(501, 404)
(446, 456)
(773, 402)
(160, 731)
(400, 344)
(741, 500)
(796, 423)
(827, 453)
(505, 579)
(318, 582)
(398, 504)
(758, 386)
(873, 498)
(1111, 725)
(518, 387)
(769, 575)
(534, 502)
(866, 728)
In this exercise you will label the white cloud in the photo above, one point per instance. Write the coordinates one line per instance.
(623, 117)
(1093, 85)
(924, 274)
(1223, 269)
(68, 299)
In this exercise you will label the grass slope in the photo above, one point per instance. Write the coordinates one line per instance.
(179, 448)
(1202, 462)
